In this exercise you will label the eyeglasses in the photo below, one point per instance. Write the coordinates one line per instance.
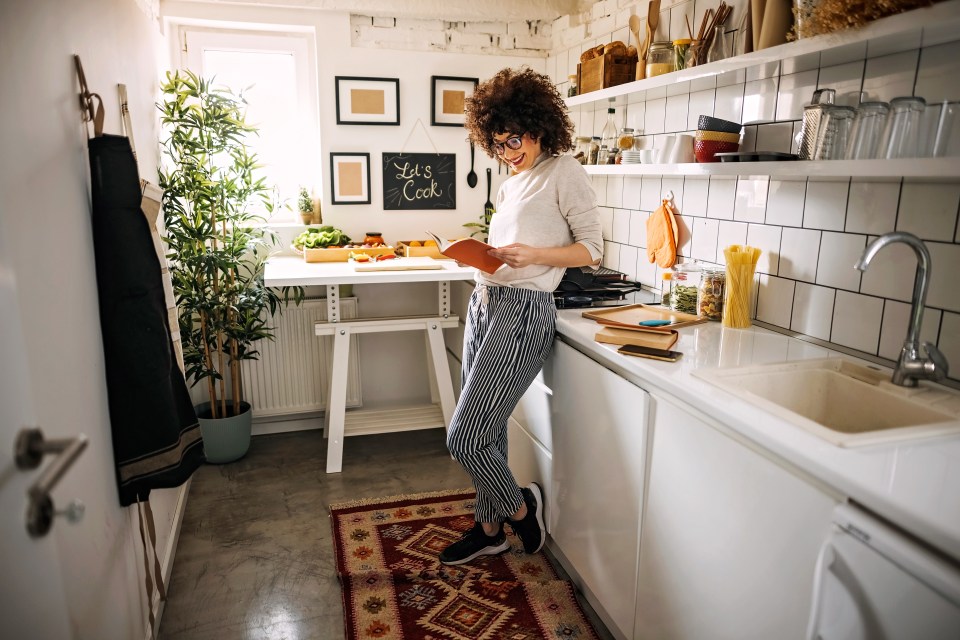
(513, 142)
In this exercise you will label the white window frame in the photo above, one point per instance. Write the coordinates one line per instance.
(195, 39)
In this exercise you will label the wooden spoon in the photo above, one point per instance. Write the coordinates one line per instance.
(634, 23)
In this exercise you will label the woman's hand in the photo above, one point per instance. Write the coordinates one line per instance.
(516, 255)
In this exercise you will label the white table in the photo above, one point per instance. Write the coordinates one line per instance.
(283, 271)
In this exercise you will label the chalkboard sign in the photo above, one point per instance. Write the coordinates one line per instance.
(419, 181)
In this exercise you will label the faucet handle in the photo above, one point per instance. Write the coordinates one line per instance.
(939, 361)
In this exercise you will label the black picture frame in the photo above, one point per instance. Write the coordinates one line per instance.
(349, 177)
(367, 101)
(446, 92)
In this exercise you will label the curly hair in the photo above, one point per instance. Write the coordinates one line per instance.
(518, 101)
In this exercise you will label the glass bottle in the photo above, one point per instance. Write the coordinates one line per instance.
(608, 135)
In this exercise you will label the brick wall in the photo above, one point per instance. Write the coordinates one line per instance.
(520, 38)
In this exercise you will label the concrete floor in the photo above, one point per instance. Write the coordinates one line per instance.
(255, 556)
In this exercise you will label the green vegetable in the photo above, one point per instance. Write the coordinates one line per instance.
(320, 237)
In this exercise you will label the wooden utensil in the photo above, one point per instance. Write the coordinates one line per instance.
(634, 24)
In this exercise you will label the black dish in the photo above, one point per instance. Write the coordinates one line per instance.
(755, 156)
(709, 123)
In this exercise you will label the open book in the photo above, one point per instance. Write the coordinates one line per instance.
(469, 251)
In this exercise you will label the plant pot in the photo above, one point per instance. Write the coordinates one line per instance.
(306, 217)
(225, 439)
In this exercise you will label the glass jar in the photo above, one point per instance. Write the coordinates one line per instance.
(373, 238)
(660, 59)
(625, 139)
(710, 293)
(594, 150)
(582, 151)
(685, 282)
(572, 87)
(680, 53)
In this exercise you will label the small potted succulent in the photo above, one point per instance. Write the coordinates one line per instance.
(305, 206)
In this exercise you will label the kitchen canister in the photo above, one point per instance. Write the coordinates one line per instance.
(741, 264)
(710, 293)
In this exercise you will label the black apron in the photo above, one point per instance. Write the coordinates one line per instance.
(156, 435)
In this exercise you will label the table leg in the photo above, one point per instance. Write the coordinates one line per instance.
(337, 400)
(441, 370)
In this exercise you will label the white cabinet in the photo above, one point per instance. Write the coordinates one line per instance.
(598, 429)
(730, 538)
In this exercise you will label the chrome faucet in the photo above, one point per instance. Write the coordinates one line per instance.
(912, 366)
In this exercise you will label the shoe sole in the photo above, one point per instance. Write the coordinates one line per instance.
(486, 551)
(538, 495)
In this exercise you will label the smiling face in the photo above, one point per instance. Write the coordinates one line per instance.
(523, 156)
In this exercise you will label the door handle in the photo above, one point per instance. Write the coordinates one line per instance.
(31, 447)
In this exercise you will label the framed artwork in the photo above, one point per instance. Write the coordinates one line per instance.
(448, 96)
(368, 100)
(350, 178)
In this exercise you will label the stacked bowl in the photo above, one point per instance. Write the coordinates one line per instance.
(714, 136)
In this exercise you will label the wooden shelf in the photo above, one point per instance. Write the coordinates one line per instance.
(917, 28)
(922, 169)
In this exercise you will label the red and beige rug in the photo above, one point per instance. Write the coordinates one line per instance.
(394, 586)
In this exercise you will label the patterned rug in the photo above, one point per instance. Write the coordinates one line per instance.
(394, 586)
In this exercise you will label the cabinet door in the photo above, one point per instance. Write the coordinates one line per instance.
(531, 462)
(533, 410)
(598, 469)
(730, 538)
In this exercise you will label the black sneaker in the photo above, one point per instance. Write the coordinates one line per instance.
(530, 529)
(473, 544)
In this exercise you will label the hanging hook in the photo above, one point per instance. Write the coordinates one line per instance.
(668, 196)
(90, 113)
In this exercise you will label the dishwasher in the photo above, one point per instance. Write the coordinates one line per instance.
(873, 582)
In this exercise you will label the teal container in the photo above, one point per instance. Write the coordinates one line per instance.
(225, 439)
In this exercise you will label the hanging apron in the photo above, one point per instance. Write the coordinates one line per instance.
(156, 435)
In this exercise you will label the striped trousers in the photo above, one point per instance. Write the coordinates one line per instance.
(509, 334)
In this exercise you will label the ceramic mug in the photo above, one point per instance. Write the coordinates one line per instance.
(682, 149)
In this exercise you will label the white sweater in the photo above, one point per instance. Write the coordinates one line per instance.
(552, 204)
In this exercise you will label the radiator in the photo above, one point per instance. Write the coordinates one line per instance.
(292, 375)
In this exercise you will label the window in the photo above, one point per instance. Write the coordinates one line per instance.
(275, 73)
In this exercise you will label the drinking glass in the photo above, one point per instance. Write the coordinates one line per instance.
(901, 138)
(834, 134)
(866, 131)
(939, 122)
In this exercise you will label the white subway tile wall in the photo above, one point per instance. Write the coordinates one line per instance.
(811, 231)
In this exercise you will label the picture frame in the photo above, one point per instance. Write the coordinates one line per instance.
(448, 95)
(349, 178)
(371, 101)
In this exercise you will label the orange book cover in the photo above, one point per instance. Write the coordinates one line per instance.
(468, 251)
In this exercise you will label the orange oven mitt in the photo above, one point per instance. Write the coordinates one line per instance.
(662, 235)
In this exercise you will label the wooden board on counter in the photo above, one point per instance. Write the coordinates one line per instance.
(647, 338)
(342, 254)
(630, 316)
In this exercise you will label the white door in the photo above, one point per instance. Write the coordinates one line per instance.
(32, 600)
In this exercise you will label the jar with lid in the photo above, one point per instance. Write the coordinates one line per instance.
(594, 150)
(680, 47)
(373, 238)
(684, 283)
(710, 293)
(581, 152)
(625, 139)
(572, 86)
(660, 59)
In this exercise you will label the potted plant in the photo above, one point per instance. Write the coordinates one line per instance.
(482, 227)
(305, 206)
(217, 249)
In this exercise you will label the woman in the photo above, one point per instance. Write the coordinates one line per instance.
(546, 220)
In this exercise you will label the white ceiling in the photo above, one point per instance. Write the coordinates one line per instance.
(448, 10)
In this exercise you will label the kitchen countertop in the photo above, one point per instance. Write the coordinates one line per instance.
(914, 484)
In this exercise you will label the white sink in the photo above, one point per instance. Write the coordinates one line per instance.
(844, 403)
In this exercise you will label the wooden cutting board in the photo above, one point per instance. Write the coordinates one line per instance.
(630, 316)
(652, 339)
